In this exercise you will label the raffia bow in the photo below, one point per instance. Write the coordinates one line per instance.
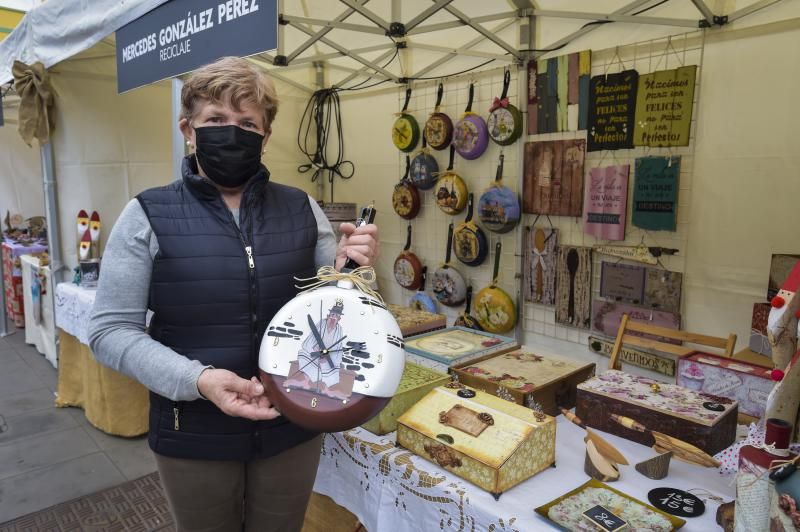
(362, 277)
(538, 258)
(32, 84)
(498, 103)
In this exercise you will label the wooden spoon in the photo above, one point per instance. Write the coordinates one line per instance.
(573, 260)
(539, 242)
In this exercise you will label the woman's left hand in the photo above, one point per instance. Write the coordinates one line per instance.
(357, 243)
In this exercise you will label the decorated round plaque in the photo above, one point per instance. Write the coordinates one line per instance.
(438, 130)
(331, 358)
(505, 120)
(405, 196)
(498, 207)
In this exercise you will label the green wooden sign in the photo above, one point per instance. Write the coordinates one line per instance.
(664, 102)
(635, 357)
(655, 193)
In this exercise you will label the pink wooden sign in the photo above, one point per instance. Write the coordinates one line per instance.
(605, 202)
(606, 316)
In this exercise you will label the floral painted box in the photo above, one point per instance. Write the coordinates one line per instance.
(440, 350)
(706, 421)
(491, 442)
(413, 321)
(747, 383)
(528, 378)
(417, 381)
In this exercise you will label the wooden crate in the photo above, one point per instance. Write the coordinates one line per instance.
(413, 322)
(417, 381)
(667, 408)
(550, 381)
(511, 448)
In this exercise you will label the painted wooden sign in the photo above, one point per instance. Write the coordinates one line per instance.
(539, 276)
(553, 177)
(612, 106)
(558, 93)
(662, 289)
(634, 357)
(607, 315)
(622, 282)
(574, 286)
(606, 202)
(655, 193)
(664, 104)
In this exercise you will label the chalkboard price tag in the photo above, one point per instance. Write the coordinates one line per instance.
(604, 519)
(676, 502)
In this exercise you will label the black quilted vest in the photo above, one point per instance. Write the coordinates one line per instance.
(212, 304)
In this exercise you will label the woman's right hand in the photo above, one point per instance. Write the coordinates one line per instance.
(234, 395)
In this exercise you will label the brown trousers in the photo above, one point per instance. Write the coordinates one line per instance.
(270, 494)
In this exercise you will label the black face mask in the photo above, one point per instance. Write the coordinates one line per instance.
(229, 155)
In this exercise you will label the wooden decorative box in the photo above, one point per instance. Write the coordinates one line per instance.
(443, 349)
(704, 420)
(493, 443)
(413, 322)
(748, 384)
(549, 381)
(417, 381)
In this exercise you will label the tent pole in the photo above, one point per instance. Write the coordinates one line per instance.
(178, 150)
(50, 183)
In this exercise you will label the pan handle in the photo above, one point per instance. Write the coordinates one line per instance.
(449, 245)
(452, 157)
(423, 276)
(471, 96)
(469, 208)
(506, 83)
(408, 168)
(468, 307)
(408, 98)
(499, 176)
(408, 239)
(497, 249)
(439, 94)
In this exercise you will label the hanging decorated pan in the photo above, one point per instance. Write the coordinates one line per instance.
(332, 357)
(405, 197)
(421, 300)
(448, 284)
(439, 128)
(466, 319)
(407, 267)
(469, 240)
(498, 207)
(505, 120)
(451, 191)
(470, 135)
(405, 130)
(494, 308)
(424, 168)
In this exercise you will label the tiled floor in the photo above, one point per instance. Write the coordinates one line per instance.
(50, 455)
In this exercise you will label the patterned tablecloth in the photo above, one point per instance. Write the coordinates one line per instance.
(40, 327)
(390, 489)
(73, 308)
(12, 276)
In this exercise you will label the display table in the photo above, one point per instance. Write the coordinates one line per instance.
(113, 403)
(40, 326)
(390, 489)
(12, 276)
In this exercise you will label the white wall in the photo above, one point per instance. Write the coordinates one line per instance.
(20, 172)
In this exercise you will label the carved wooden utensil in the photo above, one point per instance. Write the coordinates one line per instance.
(573, 261)
(539, 241)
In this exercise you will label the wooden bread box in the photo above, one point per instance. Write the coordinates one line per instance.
(413, 321)
(417, 381)
(703, 420)
(493, 443)
(549, 381)
(443, 349)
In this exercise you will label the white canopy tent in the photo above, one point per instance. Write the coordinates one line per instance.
(343, 44)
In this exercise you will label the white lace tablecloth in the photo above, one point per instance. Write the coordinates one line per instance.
(40, 329)
(391, 490)
(73, 309)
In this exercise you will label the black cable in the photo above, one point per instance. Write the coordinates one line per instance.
(454, 73)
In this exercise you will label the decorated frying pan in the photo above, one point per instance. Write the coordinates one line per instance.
(469, 240)
(424, 168)
(421, 300)
(451, 191)
(494, 308)
(405, 197)
(407, 267)
(470, 135)
(439, 128)
(405, 130)
(466, 319)
(505, 120)
(498, 207)
(448, 284)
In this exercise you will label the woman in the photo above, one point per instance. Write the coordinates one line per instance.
(214, 256)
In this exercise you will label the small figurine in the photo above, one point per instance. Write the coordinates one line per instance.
(94, 229)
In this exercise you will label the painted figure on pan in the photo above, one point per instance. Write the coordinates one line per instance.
(318, 366)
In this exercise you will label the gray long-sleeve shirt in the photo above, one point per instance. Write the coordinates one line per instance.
(117, 334)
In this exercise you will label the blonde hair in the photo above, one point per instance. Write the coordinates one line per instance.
(230, 79)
